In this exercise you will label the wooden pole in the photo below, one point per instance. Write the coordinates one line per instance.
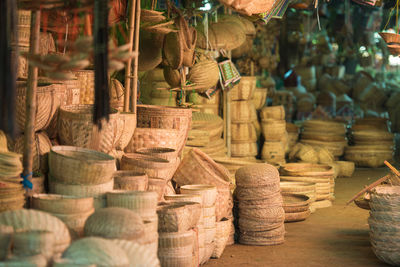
(374, 184)
(128, 67)
(31, 88)
(136, 59)
(228, 123)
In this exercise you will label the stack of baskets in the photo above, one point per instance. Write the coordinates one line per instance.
(273, 126)
(243, 113)
(292, 187)
(372, 146)
(73, 211)
(384, 223)
(11, 195)
(10, 165)
(208, 195)
(153, 89)
(260, 206)
(259, 97)
(131, 181)
(81, 172)
(204, 104)
(158, 163)
(293, 134)
(145, 205)
(324, 133)
(296, 206)
(320, 174)
(206, 135)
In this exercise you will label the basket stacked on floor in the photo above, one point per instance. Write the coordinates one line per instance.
(273, 127)
(205, 104)
(296, 206)
(11, 195)
(384, 223)
(290, 188)
(328, 134)
(243, 113)
(81, 172)
(372, 145)
(320, 174)
(260, 206)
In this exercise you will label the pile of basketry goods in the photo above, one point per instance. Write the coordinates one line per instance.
(276, 137)
(300, 190)
(296, 206)
(259, 205)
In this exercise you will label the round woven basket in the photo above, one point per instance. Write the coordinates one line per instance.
(221, 238)
(256, 175)
(241, 112)
(204, 74)
(260, 97)
(272, 129)
(273, 112)
(157, 185)
(178, 217)
(297, 216)
(160, 152)
(153, 166)
(130, 180)
(62, 204)
(273, 151)
(245, 89)
(47, 104)
(74, 165)
(153, 137)
(76, 128)
(368, 156)
(243, 148)
(208, 193)
(128, 125)
(96, 191)
(324, 126)
(307, 169)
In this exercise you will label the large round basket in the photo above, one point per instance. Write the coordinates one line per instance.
(307, 169)
(154, 137)
(245, 89)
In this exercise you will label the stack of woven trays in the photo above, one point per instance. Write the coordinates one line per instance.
(320, 174)
(259, 205)
(373, 144)
(206, 134)
(81, 172)
(158, 163)
(293, 134)
(11, 195)
(207, 222)
(384, 223)
(324, 133)
(10, 164)
(296, 206)
(308, 189)
(204, 104)
(273, 126)
(73, 211)
(243, 114)
(145, 205)
(151, 92)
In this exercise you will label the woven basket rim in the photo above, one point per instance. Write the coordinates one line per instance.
(100, 156)
(128, 173)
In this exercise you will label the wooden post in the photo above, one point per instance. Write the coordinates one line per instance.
(128, 67)
(31, 88)
(228, 123)
(136, 59)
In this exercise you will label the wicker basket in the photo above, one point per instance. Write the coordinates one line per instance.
(178, 217)
(243, 132)
(256, 175)
(241, 112)
(324, 126)
(157, 185)
(184, 198)
(307, 153)
(96, 191)
(273, 151)
(139, 254)
(75, 165)
(153, 137)
(160, 152)
(33, 242)
(243, 149)
(62, 204)
(221, 238)
(47, 104)
(272, 129)
(204, 74)
(307, 169)
(76, 128)
(153, 166)
(245, 89)
(130, 180)
(128, 124)
(260, 97)
(86, 85)
(368, 156)
(336, 147)
(208, 193)
(273, 112)
(6, 233)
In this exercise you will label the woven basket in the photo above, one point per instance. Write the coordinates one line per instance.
(240, 112)
(243, 132)
(96, 191)
(243, 149)
(75, 165)
(157, 185)
(307, 169)
(115, 223)
(76, 128)
(259, 225)
(324, 126)
(221, 238)
(273, 112)
(256, 175)
(372, 135)
(178, 217)
(272, 129)
(204, 74)
(368, 156)
(325, 156)
(307, 153)
(336, 148)
(297, 216)
(321, 136)
(86, 85)
(128, 125)
(38, 220)
(184, 198)
(47, 104)
(245, 89)
(261, 192)
(62, 204)
(260, 97)
(130, 180)
(160, 152)
(153, 166)
(273, 151)
(33, 242)
(40, 149)
(152, 137)
(143, 203)
(208, 193)
(262, 212)
(6, 233)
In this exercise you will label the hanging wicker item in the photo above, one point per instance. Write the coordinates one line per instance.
(204, 74)
(147, 15)
(173, 50)
(150, 47)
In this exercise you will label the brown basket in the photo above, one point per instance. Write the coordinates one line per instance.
(273, 151)
(178, 217)
(241, 112)
(346, 168)
(128, 125)
(130, 180)
(46, 105)
(243, 132)
(204, 74)
(157, 185)
(62, 204)
(161, 152)
(260, 97)
(245, 89)
(154, 137)
(243, 148)
(307, 169)
(390, 37)
(86, 86)
(273, 112)
(273, 130)
(368, 156)
(76, 128)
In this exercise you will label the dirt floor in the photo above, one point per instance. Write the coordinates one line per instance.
(335, 236)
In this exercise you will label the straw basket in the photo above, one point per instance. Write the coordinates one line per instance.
(307, 153)
(243, 132)
(273, 112)
(76, 165)
(390, 37)
(153, 137)
(368, 156)
(143, 203)
(241, 112)
(207, 192)
(178, 217)
(307, 169)
(157, 185)
(46, 105)
(272, 129)
(273, 151)
(245, 89)
(346, 168)
(221, 237)
(62, 204)
(76, 128)
(128, 124)
(244, 148)
(204, 74)
(86, 85)
(160, 152)
(130, 180)
(5, 240)
(260, 97)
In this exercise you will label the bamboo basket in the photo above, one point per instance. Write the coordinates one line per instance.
(33, 242)
(86, 86)
(325, 126)
(115, 223)
(40, 150)
(308, 154)
(6, 233)
(153, 137)
(368, 156)
(337, 148)
(260, 97)
(76, 128)
(128, 124)
(273, 112)
(256, 175)
(62, 204)
(160, 152)
(221, 238)
(178, 217)
(244, 90)
(204, 74)
(47, 104)
(185, 198)
(307, 169)
(130, 180)
(273, 130)
(75, 165)
(273, 152)
(241, 112)
(263, 192)
(243, 132)
(96, 191)
(208, 193)
(140, 254)
(157, 185)
(243, 149)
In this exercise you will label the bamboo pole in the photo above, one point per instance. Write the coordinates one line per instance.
(228, 124)
(136, 59)
(31, 88)
(128, 67)
(371, 186)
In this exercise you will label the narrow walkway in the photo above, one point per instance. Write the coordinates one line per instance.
(335, 236)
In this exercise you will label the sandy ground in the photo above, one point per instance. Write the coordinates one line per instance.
(335, 236)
